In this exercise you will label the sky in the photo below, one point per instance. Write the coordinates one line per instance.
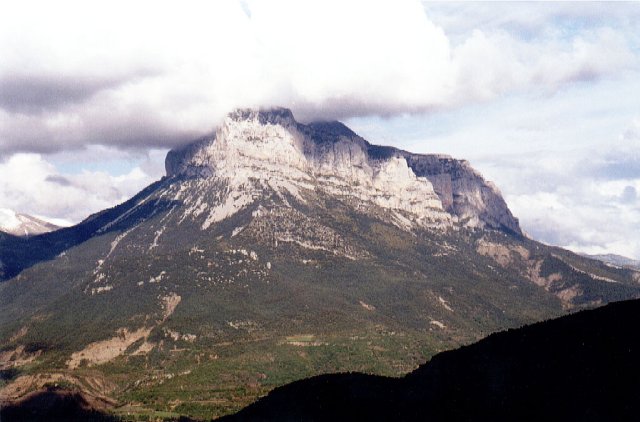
(542, 98)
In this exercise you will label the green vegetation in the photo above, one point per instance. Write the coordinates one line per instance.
(231, 314)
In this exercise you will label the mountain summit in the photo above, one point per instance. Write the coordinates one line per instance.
(267, 149)
(273, 251)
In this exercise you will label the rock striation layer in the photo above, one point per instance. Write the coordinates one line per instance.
(257, 149)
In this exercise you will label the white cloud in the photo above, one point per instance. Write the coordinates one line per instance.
(561, 161)
(632, 134)
(156, 73)
(576, 200)
(8, 219)
(588, 221)
(32, 185)
(533, 94)
(532, 20)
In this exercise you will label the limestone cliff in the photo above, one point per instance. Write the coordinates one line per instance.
(464, 192)
(257, 149)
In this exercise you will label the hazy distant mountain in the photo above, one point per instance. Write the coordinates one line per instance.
(273, 251)
(22, 224)
(617, 260)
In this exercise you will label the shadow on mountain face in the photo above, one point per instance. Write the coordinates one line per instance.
(20, 253)
(582, 367)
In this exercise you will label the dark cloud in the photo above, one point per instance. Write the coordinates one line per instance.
(625, 166)
(30, 93)
(74, 82)
(58, 180)
(132, 128)
(633, 133)
(551, 232)
(37, 93)
(629, 195)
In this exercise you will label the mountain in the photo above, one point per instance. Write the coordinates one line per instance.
(274, 152)
(579, 367)
(274, 251)
(616, 260)
(23, 224)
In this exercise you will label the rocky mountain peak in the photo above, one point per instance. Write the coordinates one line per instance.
(275, 116)
(258, 150)
(331, 129)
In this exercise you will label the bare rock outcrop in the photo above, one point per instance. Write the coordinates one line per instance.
(254, 150)
(464, 192)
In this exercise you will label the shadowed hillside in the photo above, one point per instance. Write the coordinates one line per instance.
(56, 404)
(580, 367)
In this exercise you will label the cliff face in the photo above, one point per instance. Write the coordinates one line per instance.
(464, 192)
(253, 149)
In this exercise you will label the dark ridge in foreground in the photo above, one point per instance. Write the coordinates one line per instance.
(583, 367)
(56, 405)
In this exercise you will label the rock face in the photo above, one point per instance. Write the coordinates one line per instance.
(255, 149)
(464, 192)
(23, 225)
(279, 251)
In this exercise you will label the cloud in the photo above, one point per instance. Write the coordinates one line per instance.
(614, 166)
(59, 180)
(629, 195)
(31, 184)
(561, 161)
(587, 221)
(34, 94)
(75, 74)
(534, 95)
(529, 19)
(576, 202)
(632, 134)
(583, 198)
